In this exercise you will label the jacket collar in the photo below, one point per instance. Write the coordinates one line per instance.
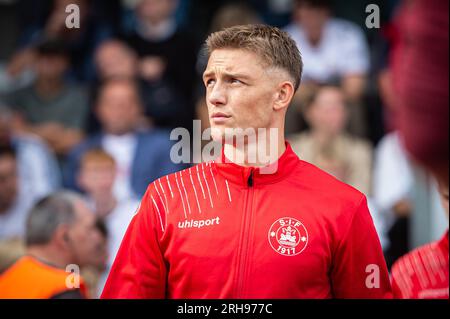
(256, 176)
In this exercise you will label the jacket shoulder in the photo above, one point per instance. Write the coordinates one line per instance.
(326, 185)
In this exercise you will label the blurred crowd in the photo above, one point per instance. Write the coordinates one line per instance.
(86, 115)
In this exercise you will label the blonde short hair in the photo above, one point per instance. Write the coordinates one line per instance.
(275, 47)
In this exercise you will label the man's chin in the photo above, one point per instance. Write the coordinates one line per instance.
(230, 135)
(218, 133)
(222, 134)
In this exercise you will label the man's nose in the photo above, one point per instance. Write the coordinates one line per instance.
(217, 95)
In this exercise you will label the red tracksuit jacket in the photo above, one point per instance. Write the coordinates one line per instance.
(219, 230)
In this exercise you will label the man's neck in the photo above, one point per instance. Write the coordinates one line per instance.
(48, 255)
(256, 154)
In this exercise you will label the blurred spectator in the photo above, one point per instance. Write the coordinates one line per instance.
(81, 42)
(10, 207)
(96, 178)
(424, 272)
(167, 56)
(327, 145)
(36, 164)
(15, 200)
(393, 182)
(141, 156)
(333, 51)
(28, 171)
(51, 108)
(61, 231)
(115, 59)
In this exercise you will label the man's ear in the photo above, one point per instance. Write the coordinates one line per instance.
(284, 95)
(61, 236)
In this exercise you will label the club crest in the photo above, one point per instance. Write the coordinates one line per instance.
(288, 236)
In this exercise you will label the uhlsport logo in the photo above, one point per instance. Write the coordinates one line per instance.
(288, 236)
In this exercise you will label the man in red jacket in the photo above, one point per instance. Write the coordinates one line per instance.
(244, 226)
(423, 273)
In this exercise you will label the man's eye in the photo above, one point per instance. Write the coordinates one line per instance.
(235, 81)
(210, 82)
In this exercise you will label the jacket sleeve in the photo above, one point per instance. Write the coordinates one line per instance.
(139, 271)
(359, 270)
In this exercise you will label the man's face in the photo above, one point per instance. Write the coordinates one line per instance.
(84, 236)
(327, 114)
(118, 108)
(239, 91)
(114, 60)
(8, 182)
(97, 178)
(51, 66)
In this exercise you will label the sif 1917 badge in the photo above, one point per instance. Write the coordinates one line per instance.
(288, 236)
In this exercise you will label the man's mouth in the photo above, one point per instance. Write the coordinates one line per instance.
(220, 117)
